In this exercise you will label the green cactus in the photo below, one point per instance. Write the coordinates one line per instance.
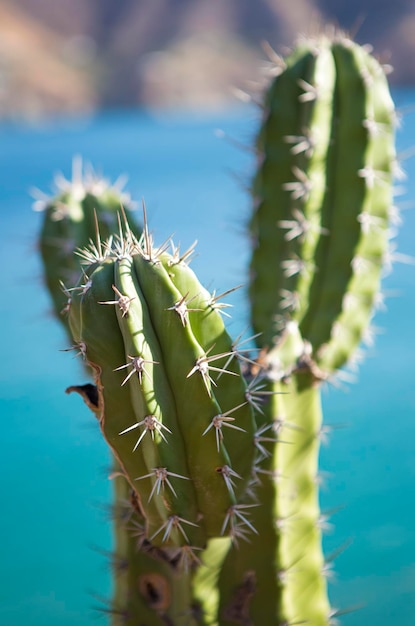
(151, 582)
(172, 400)
(216, 457)
(159, 351)
(69, 223)
(323, 198)
(320, 228)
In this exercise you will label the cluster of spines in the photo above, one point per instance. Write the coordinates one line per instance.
(150, 582)
(185, 437)
(69, 223)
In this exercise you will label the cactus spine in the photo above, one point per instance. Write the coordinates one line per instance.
(320, 228)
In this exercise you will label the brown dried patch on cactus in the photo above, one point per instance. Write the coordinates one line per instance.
(156, 591)
(89, 394)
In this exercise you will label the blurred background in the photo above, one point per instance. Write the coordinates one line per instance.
(60, 56)
(147, 88)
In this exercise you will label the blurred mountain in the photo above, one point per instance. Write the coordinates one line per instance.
(60, 56)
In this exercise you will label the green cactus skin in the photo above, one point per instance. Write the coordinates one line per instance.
(157, 353)
(150, 583)
(69, 223)
(260, 579)
(320, 228)
(150, 587)
(323, 198)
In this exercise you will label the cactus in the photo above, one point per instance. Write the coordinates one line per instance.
(150, 582)
(320, 229)
(323, 198)
(146, 582)
(158, 351)
(70, 219)
(172, 400)
(216, 477)
(69, 223)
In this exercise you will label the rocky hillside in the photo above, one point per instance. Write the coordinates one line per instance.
(59, 56)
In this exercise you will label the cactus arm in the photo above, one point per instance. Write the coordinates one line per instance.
(343, 195)
(280, 567)
(149, 582)
(69, 223)
(314, 312)
(362, 160)
(173, 387)
(121, 402)
(301, 567)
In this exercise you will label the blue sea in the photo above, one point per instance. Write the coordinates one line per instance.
(193, 171)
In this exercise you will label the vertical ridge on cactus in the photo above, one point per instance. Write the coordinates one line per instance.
(304, 223)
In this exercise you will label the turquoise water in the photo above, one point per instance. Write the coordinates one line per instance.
(53, 464)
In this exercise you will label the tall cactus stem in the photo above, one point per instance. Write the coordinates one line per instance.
(320, 229)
